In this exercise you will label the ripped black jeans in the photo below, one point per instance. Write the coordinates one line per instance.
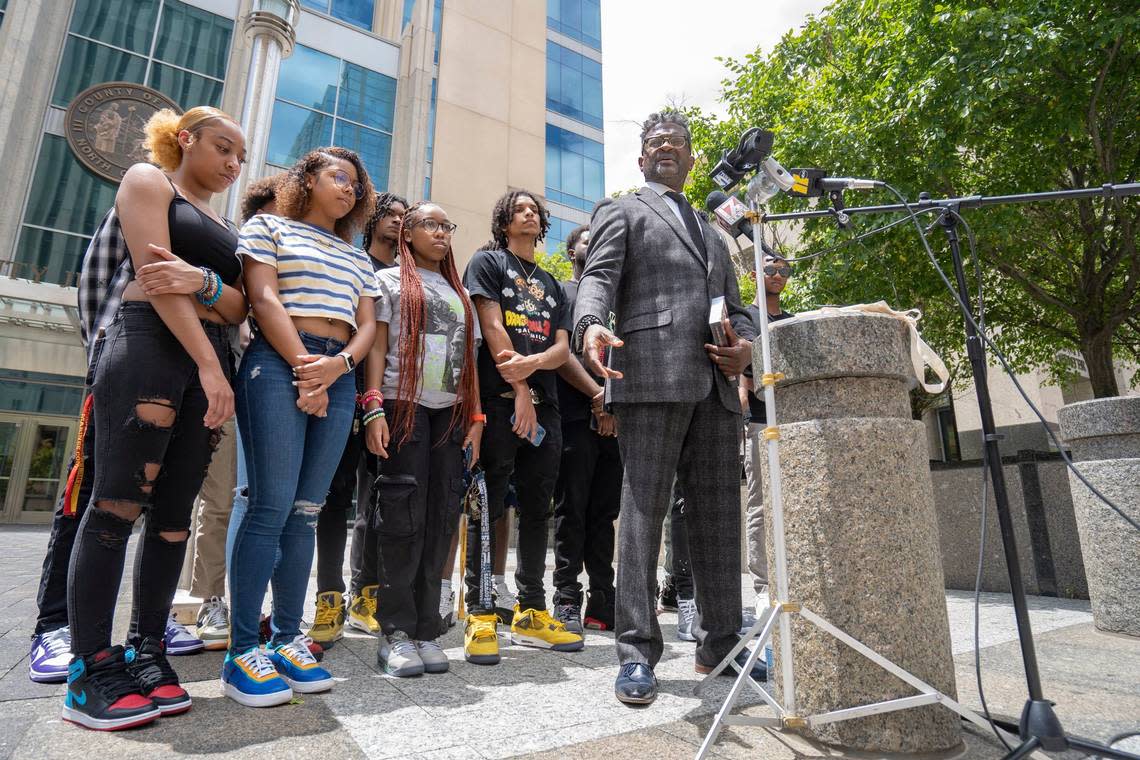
(151, 450)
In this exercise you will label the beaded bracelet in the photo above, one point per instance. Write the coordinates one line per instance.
(209, 303)
(375, 414)
(211, 289)
(206, 282)
(371, 395)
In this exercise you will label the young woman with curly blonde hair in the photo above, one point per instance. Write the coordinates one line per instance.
(159, 327)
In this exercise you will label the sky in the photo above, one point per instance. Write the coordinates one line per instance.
(656, 52)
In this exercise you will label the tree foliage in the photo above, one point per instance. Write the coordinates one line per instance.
(557, 263)
(960, 99)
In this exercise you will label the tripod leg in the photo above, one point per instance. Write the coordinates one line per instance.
(1023, 749)
(1093, 748)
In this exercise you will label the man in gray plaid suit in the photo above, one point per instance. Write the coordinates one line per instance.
(656, 264)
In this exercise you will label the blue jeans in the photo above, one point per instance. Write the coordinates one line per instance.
(290, 459)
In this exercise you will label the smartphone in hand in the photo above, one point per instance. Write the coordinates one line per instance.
(539, 433)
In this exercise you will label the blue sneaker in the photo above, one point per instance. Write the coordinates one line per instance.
(251, 680)
(299, 668)
(50, 656)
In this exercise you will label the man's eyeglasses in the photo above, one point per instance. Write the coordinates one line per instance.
(675, 141)
(341, 179)
(432, 226)
(772, 271)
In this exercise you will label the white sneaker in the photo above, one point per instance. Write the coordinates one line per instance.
(432, 655)
(505, 602)
(686, 611)
(447, 605)
(399, 656)
(214, 623)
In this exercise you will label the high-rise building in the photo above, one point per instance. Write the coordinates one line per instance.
(457, 100)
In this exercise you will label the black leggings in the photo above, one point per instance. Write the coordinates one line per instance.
(151, 450)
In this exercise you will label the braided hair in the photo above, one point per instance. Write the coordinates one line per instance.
(411, 342)
(504, 211)
(384, 203)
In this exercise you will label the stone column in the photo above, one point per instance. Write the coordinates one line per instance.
(1105, 438)
(861, 531)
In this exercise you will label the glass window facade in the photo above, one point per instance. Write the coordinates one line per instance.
(3, 7)
(116, 40)
(323, 100)
(577, 19)
(560, 229)
(573, 85)
(40, 392)
(169, 45)
(355, 12)
(436, 20)
(574, 173)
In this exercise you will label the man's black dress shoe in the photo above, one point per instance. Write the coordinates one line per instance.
(759, 669)
(636, 684)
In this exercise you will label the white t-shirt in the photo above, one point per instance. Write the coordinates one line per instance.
(444, 337)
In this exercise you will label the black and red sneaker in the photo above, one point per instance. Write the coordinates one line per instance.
(102, 695)
(156, 680)
(599, 614)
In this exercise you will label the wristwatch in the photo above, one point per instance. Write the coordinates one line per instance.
(349, 362)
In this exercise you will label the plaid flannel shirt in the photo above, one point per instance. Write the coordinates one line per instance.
(103, 278)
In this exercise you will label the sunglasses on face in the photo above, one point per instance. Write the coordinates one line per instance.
(432, 226)
(341, 179)
(772, 271)
(675, 141)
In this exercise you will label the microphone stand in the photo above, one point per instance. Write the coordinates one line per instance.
(1039, 726)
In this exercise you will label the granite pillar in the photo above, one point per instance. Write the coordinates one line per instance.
(861, 531)
(1104, 435)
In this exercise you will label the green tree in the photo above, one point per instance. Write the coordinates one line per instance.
(956, 99)
(557, 263)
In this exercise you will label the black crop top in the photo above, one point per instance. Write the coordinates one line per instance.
(200, 241)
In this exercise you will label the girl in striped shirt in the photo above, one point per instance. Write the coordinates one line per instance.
(312, 296)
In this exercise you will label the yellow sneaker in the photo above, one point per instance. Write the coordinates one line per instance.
(328, 623)
(536, 628)
(362, 611)
(480, 641)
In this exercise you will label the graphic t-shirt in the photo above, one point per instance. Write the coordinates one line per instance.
(445, 335)
(534, 309)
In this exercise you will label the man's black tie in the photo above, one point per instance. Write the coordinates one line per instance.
(691, 222)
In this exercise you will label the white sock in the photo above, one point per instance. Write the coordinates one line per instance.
(445, 585)
(499, 580)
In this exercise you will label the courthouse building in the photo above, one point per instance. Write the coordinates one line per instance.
(453, 100)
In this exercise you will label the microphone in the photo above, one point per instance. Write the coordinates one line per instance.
(730, 211)
(814, 182)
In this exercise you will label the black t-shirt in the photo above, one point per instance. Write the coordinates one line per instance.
(573, 404)
(756, 408)
(534, 307)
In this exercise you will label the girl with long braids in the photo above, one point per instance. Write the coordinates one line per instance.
(421, 411)
(312, 296)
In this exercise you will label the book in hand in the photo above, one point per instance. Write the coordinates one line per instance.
(718, 316)
(718, 313)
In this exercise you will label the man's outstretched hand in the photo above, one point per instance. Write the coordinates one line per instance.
(597, 337)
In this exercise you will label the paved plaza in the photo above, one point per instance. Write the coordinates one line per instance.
(535, 703)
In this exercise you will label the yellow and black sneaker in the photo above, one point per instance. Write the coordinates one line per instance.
(480, 639)
(362, 611)
(536, 628)
(328, 623)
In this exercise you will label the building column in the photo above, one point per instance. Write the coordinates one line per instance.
(270, 28)
(31, 44)
(413, 104)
